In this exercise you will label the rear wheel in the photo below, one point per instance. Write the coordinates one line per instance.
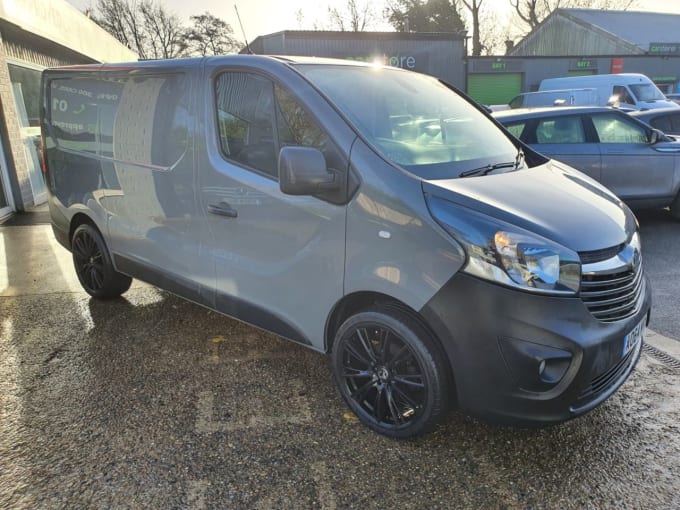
(391, 372)
(93, 265)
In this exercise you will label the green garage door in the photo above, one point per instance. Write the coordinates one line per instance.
(498, 88)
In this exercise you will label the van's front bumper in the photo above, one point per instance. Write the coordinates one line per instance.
(496, 339)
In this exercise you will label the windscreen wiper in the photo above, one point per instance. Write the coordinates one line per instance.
(484, 170)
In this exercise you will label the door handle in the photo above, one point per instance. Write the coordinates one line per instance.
(223, 209)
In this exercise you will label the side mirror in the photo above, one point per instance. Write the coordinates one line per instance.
(303, 171)
(656, 136)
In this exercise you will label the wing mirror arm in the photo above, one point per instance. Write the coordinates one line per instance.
(656, 136)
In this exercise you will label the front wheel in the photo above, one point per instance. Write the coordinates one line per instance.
(391, 372)
(93, 265)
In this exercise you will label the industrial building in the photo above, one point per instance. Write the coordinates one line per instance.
(438, 54)
(568, 42)
(34, 35)
(572, 42)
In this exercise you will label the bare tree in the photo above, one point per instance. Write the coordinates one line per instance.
(495, 33)
(354, 17)
(532, 12)
(211, 35)
(143, 26)
(474, 7)
(122, 20)
(165, 33)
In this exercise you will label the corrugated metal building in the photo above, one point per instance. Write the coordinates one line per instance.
(586, 32)
(35, 34)
(437, 54)
(573, 42)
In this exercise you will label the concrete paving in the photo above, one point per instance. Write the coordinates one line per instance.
(149, 401)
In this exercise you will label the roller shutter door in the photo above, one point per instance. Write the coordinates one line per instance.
(494, 88)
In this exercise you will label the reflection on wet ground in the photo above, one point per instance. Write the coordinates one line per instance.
(151, 401)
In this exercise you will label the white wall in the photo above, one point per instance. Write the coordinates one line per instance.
(60, 22)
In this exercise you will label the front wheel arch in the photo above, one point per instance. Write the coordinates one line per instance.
(391, 372)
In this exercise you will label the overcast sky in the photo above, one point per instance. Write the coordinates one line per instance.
(262, 17)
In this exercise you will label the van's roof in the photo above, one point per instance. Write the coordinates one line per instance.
(527, 113)
(598, 77)
(557, 91)
(184, 62)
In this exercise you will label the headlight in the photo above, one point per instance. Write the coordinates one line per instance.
(507, 254)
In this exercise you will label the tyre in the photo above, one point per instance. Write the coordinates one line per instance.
(93, 265)
(391, 372)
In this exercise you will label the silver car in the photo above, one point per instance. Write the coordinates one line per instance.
(663, 119)
(638, 163)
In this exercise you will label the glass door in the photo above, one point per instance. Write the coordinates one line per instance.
(6, 205)
(26, 90)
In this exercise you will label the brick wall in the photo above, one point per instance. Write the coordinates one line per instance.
(11, 139)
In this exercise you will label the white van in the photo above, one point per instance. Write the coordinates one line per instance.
(633, 91)
(562, 97)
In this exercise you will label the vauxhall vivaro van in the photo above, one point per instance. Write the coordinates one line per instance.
(371, 213)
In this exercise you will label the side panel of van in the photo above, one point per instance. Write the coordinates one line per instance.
(608, 85)
(390, 211)
(126, 141)
(154, 228)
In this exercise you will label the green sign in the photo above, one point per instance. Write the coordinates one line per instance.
(498, 66)
(664, 48)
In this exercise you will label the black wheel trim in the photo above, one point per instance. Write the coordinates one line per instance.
(383, 376)
(89, 261)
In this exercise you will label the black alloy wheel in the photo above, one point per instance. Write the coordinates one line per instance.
(93, 265)
(391, 373)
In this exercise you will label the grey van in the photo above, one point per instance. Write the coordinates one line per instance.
(371, 213)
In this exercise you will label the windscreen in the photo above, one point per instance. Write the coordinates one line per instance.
(647, 92)
(413, 120)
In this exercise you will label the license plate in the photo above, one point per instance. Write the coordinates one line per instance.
(632, 339)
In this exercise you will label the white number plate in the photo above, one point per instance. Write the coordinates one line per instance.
(632, 339)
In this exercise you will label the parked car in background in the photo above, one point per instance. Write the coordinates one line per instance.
(628, 90)
(639, 164)
(663, 119)
(673, 97)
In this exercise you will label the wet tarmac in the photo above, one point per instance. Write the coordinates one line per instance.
(152, 402)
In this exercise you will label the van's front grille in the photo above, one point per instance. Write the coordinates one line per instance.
(607, 380)
(590, 257)
(611, 289)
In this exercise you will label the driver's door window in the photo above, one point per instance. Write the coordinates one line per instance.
(611, 128)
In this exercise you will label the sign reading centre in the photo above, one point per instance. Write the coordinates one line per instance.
(403, 61)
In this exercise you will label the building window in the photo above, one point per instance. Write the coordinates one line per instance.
(27, 98)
